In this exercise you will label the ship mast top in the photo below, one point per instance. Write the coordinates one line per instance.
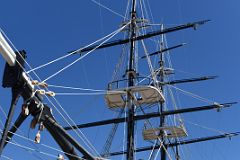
(131, 74)
(133, 95)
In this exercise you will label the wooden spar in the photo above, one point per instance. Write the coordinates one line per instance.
(185, 142)
(6, 51)
(151, 115)
(164, 50)
(138, 38)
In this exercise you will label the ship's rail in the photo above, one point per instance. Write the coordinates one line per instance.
(122, 83)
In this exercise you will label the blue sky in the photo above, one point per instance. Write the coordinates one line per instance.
(50, 29)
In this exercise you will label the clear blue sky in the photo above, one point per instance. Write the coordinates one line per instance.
(50, 29)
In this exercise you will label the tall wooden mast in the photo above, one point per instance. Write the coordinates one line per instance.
(131, 75)
(161, 109)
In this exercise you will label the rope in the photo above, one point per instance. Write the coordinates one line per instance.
(119, 64)
(28, 139)
(29, 148)
(161, 144)
(106, 59)
(121, 61)
(20, 56)
(149, 63)
(88, 94)
(174, 103)
(158, 137)
(44, 145)
(32, 149)
(75, 88)
(174, 118)
(96, 92)
(1, 133)
(71, 53)
(205, 127)
(80, 94)
(69, 65)
(168, 57)
(46, 96)
(124, 131)
(83, 137)
(78, 130)
(152, 151)
(154, 79)
(38, 77)
(105, 7)
(127, 10)
(5, 157)
(194, 95)
(5, 115)
(46, 64)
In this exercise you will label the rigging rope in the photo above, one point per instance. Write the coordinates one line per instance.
(5, 157)
(106, 59)
(69, 65)
(30, 140)
(194, 95)
(152, 151)
(80, 94)
(65, 56)
(108, 143)
(76, 88)
(151, 126)
(123, 53)
(48, 63)
(105, 7)
(168, 57)
(39, 78)
(1, 133)
(32, 149)
(5, 115)
(83, 138)
(127, 10)
(124, 130)
(125, 108)
(161, 144)
(119, 64)
(93, 91)
(44, 145)
(153, 75)
(149, 64)
(205, 127)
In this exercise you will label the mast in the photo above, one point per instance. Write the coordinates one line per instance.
(161, 109)
(131, 74)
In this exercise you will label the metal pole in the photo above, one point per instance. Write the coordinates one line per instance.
(63, 134)
(177, 152)
(131, 73)
(15, 97)
(162, 118)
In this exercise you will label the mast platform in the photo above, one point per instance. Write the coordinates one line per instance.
(169, 132)
(140, 95)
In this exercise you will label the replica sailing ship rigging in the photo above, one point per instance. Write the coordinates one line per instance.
(134, 97)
